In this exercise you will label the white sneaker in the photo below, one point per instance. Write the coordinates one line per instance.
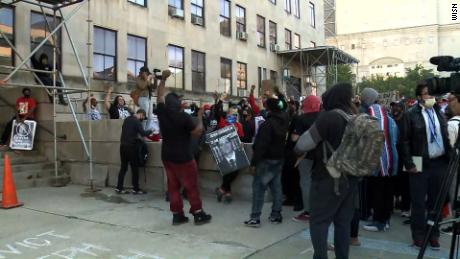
(405, 214)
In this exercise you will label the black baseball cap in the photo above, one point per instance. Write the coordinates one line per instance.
(145, 69)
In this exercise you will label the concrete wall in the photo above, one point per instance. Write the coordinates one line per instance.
(106, 158)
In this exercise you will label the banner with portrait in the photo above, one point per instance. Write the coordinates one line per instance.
(227, 150)
(22, 135)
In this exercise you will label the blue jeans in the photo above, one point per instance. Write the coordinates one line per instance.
(268, 174)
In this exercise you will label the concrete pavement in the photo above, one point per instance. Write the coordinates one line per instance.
(70, 223)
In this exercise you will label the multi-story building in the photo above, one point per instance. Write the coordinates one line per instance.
(389, 36)
(217, 45)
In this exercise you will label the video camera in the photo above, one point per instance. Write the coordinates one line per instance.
(155, 73)
(440, 86)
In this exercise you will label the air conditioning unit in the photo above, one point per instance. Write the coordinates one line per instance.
(274, 47)
(242, 92)
(176, 13)
(242, 35)
(197, 20)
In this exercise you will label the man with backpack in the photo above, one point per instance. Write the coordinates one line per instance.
(338, 141)
(380, 184)
(130, 147)
(426, 148)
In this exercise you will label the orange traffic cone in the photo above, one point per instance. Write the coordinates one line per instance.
(10, 199)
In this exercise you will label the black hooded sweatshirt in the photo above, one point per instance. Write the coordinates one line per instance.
(271, 138)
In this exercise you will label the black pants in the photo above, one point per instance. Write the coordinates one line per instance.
(128, 154)
(381, 189)
(402, 189)
(49, 82)
(290, 180)
(355, 224)
(7, 132)
(227, 181)
(365, 199)
(424, 188)
(327, 207)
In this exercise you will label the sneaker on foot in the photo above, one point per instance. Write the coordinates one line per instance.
(354, 241)
(417, 244)
(302, 217)
(254, 223)
(219, 194)
(375, 227)
(122, 191)
(201, 217)
(405, 214)
(434, 243)
(138, 192)
(275, 220)
(179, 218)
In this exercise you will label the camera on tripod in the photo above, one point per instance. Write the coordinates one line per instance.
(442, 85)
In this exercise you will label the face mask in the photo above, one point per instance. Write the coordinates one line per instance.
(429, 103)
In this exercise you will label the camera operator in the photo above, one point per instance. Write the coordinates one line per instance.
(425, 145)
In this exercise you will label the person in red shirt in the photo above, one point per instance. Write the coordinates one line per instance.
(25, 110)
(226, 119)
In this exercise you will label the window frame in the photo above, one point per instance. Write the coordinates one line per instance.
(296, 35)
(59, 33)
(134, 3)
(175, 68)
(236, 18)
(259, 33)
(115, 63)
(286, 39)
(270, 34)
(229, 19)
(13, 35)
(201, 72)
(137, 60)
(202, 12)
(238, 80)
(312, 14)
(172, 6)
(229, 61)
(288, 6)
(296, 8)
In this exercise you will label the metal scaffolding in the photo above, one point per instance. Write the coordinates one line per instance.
(54, 8)
(316, 65)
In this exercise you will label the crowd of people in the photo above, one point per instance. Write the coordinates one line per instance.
(292, 143)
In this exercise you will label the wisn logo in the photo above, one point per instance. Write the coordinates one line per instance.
(454, 12)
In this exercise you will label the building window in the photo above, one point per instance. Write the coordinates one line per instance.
(313, 45)
(197, 7)
(139, 2)
(38, 32)
(105, 53)
(287, 6)
(176, 65)
(273, 75)
(241, 76)
(225, 25)
(226, 74)
(198, 71)
(287, 39)
(137, 55)
(7, 26)
(272, 32)
(311, 8)
(260, 31)
(240, 19)
(296, 41)
(297, 8)
(272, 1)
(176, 4)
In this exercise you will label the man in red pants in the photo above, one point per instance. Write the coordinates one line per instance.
(177, 129)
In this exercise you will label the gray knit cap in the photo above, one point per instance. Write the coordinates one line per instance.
(369, 96)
